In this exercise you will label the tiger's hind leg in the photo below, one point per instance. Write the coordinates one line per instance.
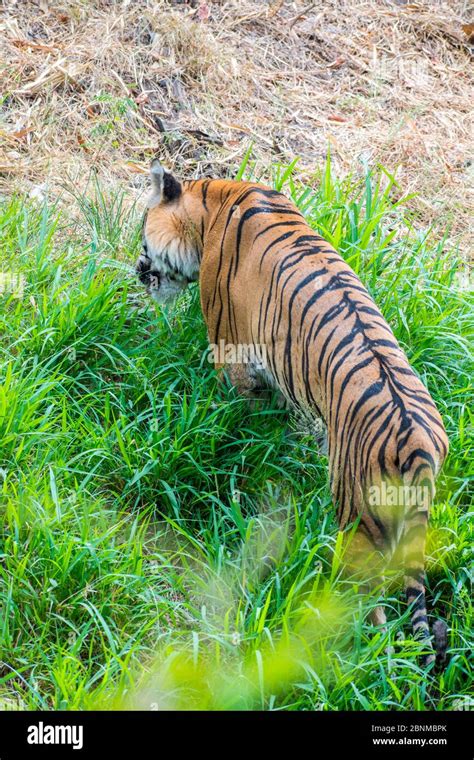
(366, 564)
(377, 615)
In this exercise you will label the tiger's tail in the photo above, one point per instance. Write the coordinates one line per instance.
(420, 495)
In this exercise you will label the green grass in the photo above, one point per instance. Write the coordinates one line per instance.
(164, 545)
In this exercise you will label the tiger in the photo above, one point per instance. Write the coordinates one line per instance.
(268, 280)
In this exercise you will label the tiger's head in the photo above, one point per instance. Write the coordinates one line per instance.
(172, 241)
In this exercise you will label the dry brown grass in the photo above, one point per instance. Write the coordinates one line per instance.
(106, 85)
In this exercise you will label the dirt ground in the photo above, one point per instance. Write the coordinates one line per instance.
(96, 84)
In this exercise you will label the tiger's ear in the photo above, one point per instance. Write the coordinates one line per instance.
(165, 187)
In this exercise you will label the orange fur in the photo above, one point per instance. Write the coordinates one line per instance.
(268, 279)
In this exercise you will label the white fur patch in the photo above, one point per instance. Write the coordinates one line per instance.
(173, 256)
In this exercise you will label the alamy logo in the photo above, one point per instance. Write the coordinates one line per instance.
(45, 734)
(238, 353)
(392, 496)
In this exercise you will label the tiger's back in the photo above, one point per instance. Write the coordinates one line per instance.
(268, 279)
